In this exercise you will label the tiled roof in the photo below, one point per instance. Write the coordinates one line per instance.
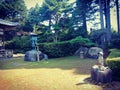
(8, 23)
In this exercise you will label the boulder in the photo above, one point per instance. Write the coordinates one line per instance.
(84, 50)
(93, 52)
(32, 55)
(45, 57)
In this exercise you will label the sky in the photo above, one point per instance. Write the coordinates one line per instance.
(32, 3)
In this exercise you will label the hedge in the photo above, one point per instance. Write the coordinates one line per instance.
(53, 50)
(66, 48)
(113, 62)
(19, 44)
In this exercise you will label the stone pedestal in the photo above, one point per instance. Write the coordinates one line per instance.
(103, 74)
(32, 55)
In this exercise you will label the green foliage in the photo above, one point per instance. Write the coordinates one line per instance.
(113, 62)
(83, 11)
(34, 15)
(27, 27)
(59, 49)
(83, 41)
(66, 48)
(12, 9)
(115, 41)
(19, 44)
(96, 35)
(114, 53)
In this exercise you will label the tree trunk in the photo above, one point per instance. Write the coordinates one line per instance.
(101, 15)
(102, 23)
(108, 23)
(118, 17)
(50, 22)
(84, 24)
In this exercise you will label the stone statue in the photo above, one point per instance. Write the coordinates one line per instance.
(100, 59)
(100, 72)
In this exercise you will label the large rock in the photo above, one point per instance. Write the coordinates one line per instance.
(32, 55)
(82, 49)
(93, 52)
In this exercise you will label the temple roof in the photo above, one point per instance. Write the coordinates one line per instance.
(8, 23)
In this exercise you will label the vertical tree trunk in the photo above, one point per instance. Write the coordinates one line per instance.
(118, 16)
(50, 22)
(108, 23)
(84, 24)
(101, 15)
(102, 23)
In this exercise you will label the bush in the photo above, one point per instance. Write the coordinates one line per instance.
(83, 41)
(113, 62)
(66, 48)
(19, 44)
(53, 50)
(96, 35)
(59, 49)
(115, 42)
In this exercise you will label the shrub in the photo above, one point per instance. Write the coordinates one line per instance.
(53, 50)
(19, 44)
(96, 35)
(83, 41)
(115, 42)
(59, 49)
(113, 62)
(66, 48)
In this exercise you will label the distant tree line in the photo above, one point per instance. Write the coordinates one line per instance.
(59, 20)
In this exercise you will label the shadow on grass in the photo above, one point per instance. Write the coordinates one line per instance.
(80, 66)
(114, 85)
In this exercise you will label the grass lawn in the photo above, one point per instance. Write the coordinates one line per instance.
(68, 73)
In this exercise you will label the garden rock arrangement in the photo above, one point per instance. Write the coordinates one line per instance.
(82, 51)
(32, 55)
(93, 52)
(88, 52)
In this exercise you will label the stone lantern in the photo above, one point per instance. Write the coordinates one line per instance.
(81, 54)
(34, 54)
(34, 38)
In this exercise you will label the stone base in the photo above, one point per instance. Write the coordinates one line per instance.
(103, 74)
(34, 55)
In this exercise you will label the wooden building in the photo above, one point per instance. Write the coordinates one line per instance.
(5, 26)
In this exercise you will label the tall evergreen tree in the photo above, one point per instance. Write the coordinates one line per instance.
(101, 14)
(108, 20)
(106, 9)
(12, 9)
(118, 15)
(52, 11)
(83, 11)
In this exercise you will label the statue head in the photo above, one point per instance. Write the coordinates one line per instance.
(100, 53)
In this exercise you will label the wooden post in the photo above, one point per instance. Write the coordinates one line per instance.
(37, 49)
